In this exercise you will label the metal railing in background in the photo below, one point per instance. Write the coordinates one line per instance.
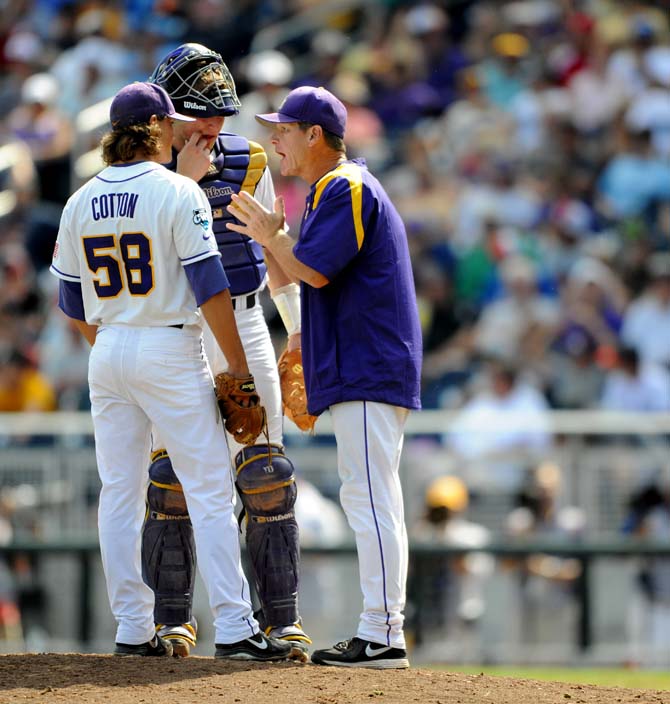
(603, 457)
(426, 422)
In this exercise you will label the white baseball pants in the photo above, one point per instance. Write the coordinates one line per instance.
(151, 375)
(369, 444)
(260, 353)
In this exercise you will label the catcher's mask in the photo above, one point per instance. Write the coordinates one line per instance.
(198, 82)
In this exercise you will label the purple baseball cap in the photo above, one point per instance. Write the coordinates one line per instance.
(136, 103)
(309, 104)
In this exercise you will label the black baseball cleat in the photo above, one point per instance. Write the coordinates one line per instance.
(362, 653)
(258, 647)
(156, 647)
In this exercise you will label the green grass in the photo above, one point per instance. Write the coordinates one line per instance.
(635, 679)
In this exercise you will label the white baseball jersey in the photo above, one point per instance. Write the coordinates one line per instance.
(126, 236)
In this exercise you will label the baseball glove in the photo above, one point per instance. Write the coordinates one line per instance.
(240, 405)
(294, 398)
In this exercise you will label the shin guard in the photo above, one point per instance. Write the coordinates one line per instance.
(168, 547)
(266, 485)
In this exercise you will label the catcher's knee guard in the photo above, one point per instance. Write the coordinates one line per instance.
(266, 485)
(168, 547)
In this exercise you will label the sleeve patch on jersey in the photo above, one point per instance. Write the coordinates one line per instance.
(56, 248)
(353, 175)
(200, 217)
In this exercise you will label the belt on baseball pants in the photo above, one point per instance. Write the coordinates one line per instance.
(244, 302)
(179, 326)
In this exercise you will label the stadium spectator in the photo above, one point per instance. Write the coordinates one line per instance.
(447, 592)
(648, 617)
(267, 74)
(636, 387)
(472, 124)
(442, 59)
(593, 300)
(651, 311)
(493, 446)
(519, 324)
(634, 180)
(590, 116)
(22, 386)
(96, 66)
(11, 631)
(63, 360)
(49, 135)
(546, 609)
(572, 376)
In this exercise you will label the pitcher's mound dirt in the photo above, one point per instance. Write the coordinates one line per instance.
(104, 679)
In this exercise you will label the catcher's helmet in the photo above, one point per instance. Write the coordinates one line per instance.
(198, 82)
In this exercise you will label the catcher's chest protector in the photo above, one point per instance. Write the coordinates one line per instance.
(237, 166)
(266, 485)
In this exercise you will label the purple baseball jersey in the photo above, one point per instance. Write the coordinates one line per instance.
(361, 336)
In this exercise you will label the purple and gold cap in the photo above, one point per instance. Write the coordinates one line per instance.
(317, 106)
(136, 103)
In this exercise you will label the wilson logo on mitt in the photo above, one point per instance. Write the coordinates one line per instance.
(240, 406)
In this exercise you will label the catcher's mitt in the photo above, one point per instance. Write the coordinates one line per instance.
(240, 406)
(293, 394)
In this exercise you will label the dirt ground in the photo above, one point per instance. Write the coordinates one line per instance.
(97, 679)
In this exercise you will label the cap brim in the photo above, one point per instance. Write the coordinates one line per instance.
(274, 118)
(181, 118)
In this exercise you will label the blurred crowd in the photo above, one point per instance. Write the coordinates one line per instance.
(526, 145)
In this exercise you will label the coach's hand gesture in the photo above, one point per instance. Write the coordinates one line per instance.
(258, 222)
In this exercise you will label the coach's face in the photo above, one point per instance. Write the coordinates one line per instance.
(291, 144)
(208, 127)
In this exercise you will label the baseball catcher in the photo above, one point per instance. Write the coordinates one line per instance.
(223, 163)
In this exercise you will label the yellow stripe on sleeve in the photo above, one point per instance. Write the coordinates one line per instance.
(353, 174)
(257, 162)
